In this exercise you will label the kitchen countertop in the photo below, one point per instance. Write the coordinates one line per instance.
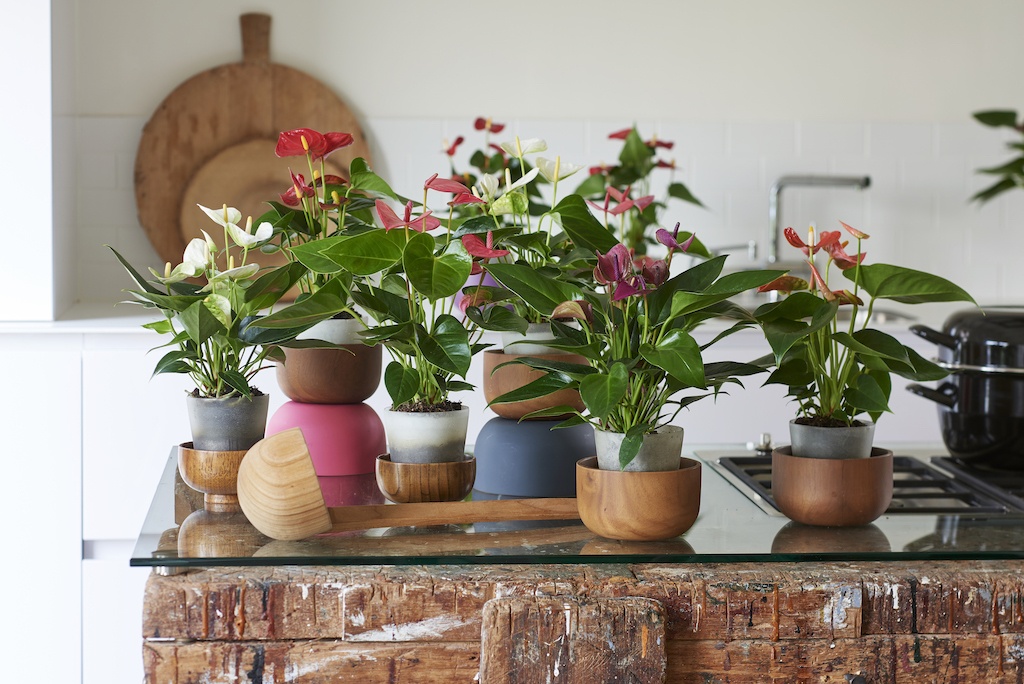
(729, 529)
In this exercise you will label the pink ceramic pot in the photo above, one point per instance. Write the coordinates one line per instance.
(343, 439)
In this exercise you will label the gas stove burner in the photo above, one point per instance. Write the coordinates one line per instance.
(1004, 485)
(918, 488)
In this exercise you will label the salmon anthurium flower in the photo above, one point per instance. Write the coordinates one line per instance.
(480, 249)
(444, 185)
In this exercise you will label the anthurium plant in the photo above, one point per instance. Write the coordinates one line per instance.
(387, 256)
(625, 191)
(838, 367)
(1011, 173)
(635, 329)
(209, 302)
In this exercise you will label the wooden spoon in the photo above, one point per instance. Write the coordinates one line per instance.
(280, 495)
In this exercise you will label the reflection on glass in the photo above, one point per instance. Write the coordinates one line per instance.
(795, 538)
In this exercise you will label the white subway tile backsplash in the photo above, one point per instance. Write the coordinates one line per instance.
(901, 139)
(917, 209)
(831, 139)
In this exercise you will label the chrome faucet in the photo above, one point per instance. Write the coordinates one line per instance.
(749, 245)
(775, 202)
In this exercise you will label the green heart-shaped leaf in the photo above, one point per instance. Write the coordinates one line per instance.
(601, 392)
(434, 276)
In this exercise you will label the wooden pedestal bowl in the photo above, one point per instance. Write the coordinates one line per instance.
(831, 492)
(422, 482)
(638, 506)
(280, 495)
(214, 473)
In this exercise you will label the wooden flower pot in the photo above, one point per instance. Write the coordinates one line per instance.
(423, 482)
(214, 473)
(346, 375)
(638, 506)
(832, 492)
(514, 376)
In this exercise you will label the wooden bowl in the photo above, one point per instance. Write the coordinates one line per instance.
(423, 482)
(516, 375)
(214, 473)
(832, 492)
(348, 375)
(217, 535)
(638, 506)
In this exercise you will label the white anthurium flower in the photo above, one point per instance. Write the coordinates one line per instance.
(556, 169)
(245, 239)
(224, 216)
(488, 185)
(523, 181)
(175, 275)
(237, 273)
(198, 254)
(521, 148)
(220, 307)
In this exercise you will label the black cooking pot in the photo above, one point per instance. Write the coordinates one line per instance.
(981, 403)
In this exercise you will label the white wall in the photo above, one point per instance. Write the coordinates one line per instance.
(748, 91)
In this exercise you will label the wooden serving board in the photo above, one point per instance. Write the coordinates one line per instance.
(212, 140)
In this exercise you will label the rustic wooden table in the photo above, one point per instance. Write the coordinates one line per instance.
(229, 605)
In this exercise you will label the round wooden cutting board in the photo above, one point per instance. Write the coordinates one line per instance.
(211, 141)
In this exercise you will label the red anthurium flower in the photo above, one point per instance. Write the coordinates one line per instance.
(786, 283)
(482, 124)
(847, 297)
(390, 219)
(854, 232)
(603, 168)
(478, 248)
(840, 257)
(450, 150)
(331, 179)
(290, 197)
(299, 142)
(821, 285)
(655, 143)
(669, 239)
(613, 266)
(466, 198)
(827, 238)
(662, 164)
(621, 197)
(477, 296)
(620, 135)
(335, 141)
(444, 185)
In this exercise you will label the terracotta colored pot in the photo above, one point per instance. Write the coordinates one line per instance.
(422, 482)
(638, 506)
(214, 473)
(343, 439)
(514, 376)
(832, 492)
(346, 375)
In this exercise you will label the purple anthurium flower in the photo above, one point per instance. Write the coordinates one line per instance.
(653, 271)
(613, 266)
(669, 239)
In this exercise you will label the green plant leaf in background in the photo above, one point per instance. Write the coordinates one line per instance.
(401, 383)
(303, 313)
(885, 281)
(367, 253)
(997, 117)
(362, 178)
(200, 322)
(447, 345)
(678, 354)
(582, 228)
(539, 293)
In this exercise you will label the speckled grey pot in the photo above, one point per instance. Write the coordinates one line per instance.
(227, 423)
(529, 459)
(661, 450)
(811, 441)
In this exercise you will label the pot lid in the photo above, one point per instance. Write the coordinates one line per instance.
(991, 337)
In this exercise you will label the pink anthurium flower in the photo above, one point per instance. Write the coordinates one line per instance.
(444, 185)
(620, 135)
(821, 285)
(843, 260)
(450, 149)
(653, 271)
(391, 220)
(466, 198)
(854, 232)
(483, 250)
(827, 237)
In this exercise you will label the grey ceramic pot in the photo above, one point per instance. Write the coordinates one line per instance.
(529, 459)
(661, 450)
(811, 441)
(227, 423)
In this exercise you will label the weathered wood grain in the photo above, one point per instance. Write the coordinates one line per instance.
(572, 641)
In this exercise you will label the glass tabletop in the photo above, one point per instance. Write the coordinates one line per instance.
(178, 534)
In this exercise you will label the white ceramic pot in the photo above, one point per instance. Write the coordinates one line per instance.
(811, 441)
(427, 437)
(527, 343)
(660, 450)
(335, 331)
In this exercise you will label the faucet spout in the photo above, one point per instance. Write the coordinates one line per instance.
(775, 202)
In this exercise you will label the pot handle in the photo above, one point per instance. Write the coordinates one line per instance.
(934, 336)
(944, 394)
